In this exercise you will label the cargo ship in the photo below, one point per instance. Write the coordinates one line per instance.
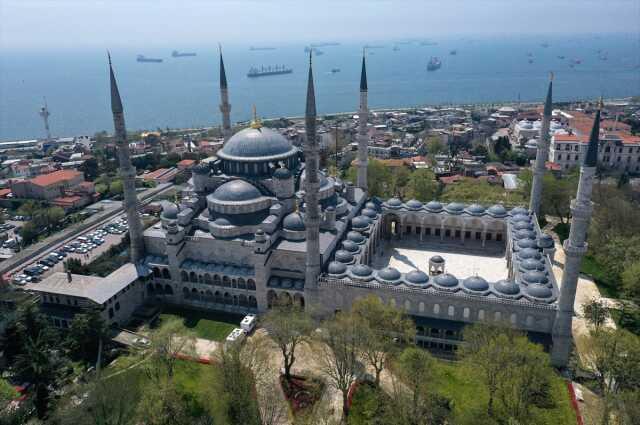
(434, 63)
(268, 70)
(142, 58)
(177, 54)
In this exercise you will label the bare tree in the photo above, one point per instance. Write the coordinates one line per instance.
(288, 326)
(171, 341)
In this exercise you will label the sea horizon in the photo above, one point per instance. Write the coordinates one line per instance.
(183, 92)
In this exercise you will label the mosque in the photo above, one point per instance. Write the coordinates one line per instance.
(262, 224)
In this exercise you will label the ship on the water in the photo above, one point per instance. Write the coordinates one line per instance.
(335, 70)
(177, 54)
(434, 63)
(268, 70)
(142, 58)
(453, 52)
(261, 48)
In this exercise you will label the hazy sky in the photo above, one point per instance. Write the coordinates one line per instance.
(117, 23)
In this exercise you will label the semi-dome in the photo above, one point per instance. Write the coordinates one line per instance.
(336, 268)
(436, 259)
(350, 246)
(236, 191)
(360, 222)
(507, 287)
(361, 270)
(519, 210)
(389, 274)
(414, 204)
(497, 210)
(294, 222)
(539, 291)
(446, 279)
(434, 206)
(476, 283)
(417, 277)
(475, 209)
(369, 213)
(222, 222)
(170, 211)
(257, 144)
(535, 276)
(356, 237)
(529, 253)
(394, 203)
(532, 264)
(344, 256)
(282, 173)
(545, 241)
(454, 208)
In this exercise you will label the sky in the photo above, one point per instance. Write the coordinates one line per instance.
(42, 24)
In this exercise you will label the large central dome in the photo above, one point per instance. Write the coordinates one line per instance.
(257, 144)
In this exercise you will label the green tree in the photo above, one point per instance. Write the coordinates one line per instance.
(87, 333)
(557, 195)
(595, 312)
(384, 330)
(7, 393)
(162, 404)
(435, 146)
(90, 168)
(115, 188)
(631, 281)
(289, 326)
(422, 185)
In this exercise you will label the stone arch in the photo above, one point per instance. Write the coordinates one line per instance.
(285, 298)
(253, 303)
(451, 311)
(184, 276)
(168, 290)
(217, 296)
(228, 299)
(392, 225)
(156, 272)
(272, 298)
(298, 300)
(216, 279)
(407, 305)
(208, 294)
(193, 277)
(166, 274)
(207, 279)
(226, 282)
(200, 278)
(436, 309)
(421, 307)
(241, 283)
(234, 283)
(251, 284)
(466, 312)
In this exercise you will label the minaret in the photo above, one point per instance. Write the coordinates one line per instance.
(44, 113)
(363, 139)
(542, 154)
(225, 107)
(574, 248)
(127, 172)
(311, 187)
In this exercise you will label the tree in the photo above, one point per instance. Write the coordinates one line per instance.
(167, 344)
(502, 146)
(631, 281)
(289, 326)
(90, 168)
(557, 195)
(422, 185)
(115, 188)
(595, 312)
(435, 146)
(399, 180)
(162, 404)
(339, 341)
(7, 393)
(384, 329)
(86, 334)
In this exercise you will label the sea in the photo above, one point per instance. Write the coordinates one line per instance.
(183, 92)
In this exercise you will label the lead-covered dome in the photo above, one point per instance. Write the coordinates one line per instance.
(507, 287)
(236, 191)
(416, 277)
(446, 280)
(257, 144)
(169, 211)
(389, 274)
(476, 283)
(293, 222)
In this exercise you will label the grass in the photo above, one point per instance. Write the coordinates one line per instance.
(608, 287)
(206, 325)
(469, 397)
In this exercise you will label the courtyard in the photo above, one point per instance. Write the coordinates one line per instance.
(462, 261)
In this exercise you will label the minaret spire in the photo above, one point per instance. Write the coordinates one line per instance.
(44, 113)
(225, 107)
(311, 187)
(574, 248)
(542, 153)
(127, 171)
(363, 139)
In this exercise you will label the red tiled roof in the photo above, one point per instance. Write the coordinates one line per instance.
(67, 200)
(565, 138)
(552, 166)
(55, 177)
(186, 162)
(4, 192)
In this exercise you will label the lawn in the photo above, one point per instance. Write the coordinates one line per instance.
(207, 325)
(608, 287)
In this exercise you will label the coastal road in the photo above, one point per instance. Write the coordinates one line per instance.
(37, 251)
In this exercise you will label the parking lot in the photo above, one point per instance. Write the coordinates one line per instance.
(85, 248)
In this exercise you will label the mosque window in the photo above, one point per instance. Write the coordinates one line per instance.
(497, 316)
(407, 305)
(436, 308)
(480, 314)
(451, 311)
(514, 318)
(466, 312)
(421, 307)
(529, 321)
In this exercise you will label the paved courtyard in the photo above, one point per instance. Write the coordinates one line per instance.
(460, 260)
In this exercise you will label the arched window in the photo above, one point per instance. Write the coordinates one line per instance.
(234, 283)
(216, 279)
(421, 307)
(207, 279)
(497, 316)
(166, 274)
(228, 300)
(253, 303)
(407, 305)
(117, 306)
(466, 313)
(481, 314)
(218, 297)
(242, 300)
(514, 318)
(168, 290)
(226, 282)
(436, 309)
(200, 279)
(156, 272)
(184, 276)
(193, 277)
(451, 311)
(285, 297)
(272, 298)
(251, 284)
(242, 284)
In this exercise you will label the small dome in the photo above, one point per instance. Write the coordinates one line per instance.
(539, 291)
(344, 256)
(519, 210)
(527, 243)
(222, 222)
(525, 234)
(523, 225)
(475, 209)
(361, 270)
(436, 259)
(394, 203)
(371, 206)
(447, 280)
(434, 206)
(532, 264)
(330, 209)
(476, 283)
(507, 287)
(282, 173)
(356, 237)
(414, 204)
(529, 253)
(535, 276)
(369, 213)
(360, 222)
(521, 217)
(336, 268)
(259, 232)
(389, 274)
(545, 241)
(417, 277)
(170, 211)
(350, 246)
(497, 211)
(257, 144)
(293, 222)
(236, 191)
(454, 208)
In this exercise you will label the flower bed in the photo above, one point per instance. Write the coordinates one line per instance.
(301, 392)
